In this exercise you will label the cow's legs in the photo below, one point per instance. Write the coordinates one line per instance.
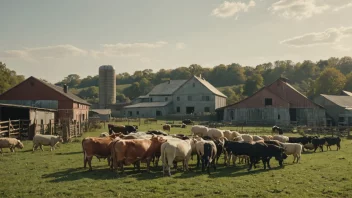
(41, 147)
(89, 159)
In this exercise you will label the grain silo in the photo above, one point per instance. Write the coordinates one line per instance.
(107, 86)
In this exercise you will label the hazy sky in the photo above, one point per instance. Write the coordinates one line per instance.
(51, 39)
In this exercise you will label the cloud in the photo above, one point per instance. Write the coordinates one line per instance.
(229, 9)
(32, 54)
(62, 51)
(298, 9)
(180, 46)
(329, 36)
(343, 6)
(127, 49)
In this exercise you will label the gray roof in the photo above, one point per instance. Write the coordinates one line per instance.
(347, 93)
(167, 88)
(148, 104)
(101, 111)
(210, 87)
(342, 101)
(146, 96)
(26, 107)
(61, 91)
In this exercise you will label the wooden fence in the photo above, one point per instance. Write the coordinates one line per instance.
(15, 128)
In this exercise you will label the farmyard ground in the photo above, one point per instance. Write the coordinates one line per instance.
(60, 174)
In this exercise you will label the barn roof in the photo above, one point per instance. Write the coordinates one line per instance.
(279, 93)
(167, 88)
(148, 104)
(342, 101)
(61, 91)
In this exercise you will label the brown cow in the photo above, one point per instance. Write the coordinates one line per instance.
(167, 127)
(97, 146)
(127, 152)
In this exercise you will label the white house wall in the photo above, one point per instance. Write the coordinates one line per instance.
(197, 92)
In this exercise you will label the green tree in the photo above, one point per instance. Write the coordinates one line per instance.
(253, 84)
(330, 81)
(8, 78)
(348, 85)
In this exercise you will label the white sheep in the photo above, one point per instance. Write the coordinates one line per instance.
(228, 134)
(281, 138)
(199, 130)
(104, 134)
(10, 143)
(257, 138)
(294, 149)
(267, 137)
(46, 140)
(247, 138)
(235, 134)
(216, 134)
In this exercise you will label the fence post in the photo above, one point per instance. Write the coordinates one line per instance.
(9, 126)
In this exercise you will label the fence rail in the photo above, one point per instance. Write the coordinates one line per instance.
(14, 128)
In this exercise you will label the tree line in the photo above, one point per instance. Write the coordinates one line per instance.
(329, 76)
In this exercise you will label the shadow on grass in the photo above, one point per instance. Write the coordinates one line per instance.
(70, 153)
(102, 173)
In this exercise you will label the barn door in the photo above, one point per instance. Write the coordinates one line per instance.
(293, 115)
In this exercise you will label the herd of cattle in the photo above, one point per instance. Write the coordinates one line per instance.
(208, 144)
(124, 146)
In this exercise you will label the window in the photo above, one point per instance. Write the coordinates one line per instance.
(232, 114)
(178, 98)
(278, 116)
(206, 109)
(189, 98)
(151, 99)
(137, 112)
(207, 98)
(130, 113)
(178, 109)
(268, 101)
(166, 98)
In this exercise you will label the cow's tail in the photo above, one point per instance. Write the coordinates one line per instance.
(84, 152)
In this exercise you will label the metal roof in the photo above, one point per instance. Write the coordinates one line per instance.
(148, 104)
(61, 91)
(342, 101)
(25, 107)
(101, 111)
(210, 87)
(347, 93)
(167, 88)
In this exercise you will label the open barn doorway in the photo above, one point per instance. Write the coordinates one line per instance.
(293, 115)
(189, 110)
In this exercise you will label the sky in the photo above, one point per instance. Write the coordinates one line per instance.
(51, 39)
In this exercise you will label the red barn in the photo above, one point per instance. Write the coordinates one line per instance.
(276, 104)
(37, 93)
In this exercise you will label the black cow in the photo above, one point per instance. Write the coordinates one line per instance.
(208, 157)
(122, 129)
(256, 152)
(276, 128)
(157, 133)
(219, 148)
(187, 121)
(333, 141)
(318, 142)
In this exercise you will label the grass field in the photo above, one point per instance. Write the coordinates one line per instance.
(60, 174)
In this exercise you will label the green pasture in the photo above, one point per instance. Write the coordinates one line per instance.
(60, 174)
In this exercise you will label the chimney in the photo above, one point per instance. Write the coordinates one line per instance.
(65, 88)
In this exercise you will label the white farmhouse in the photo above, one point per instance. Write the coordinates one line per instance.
(178, 97)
